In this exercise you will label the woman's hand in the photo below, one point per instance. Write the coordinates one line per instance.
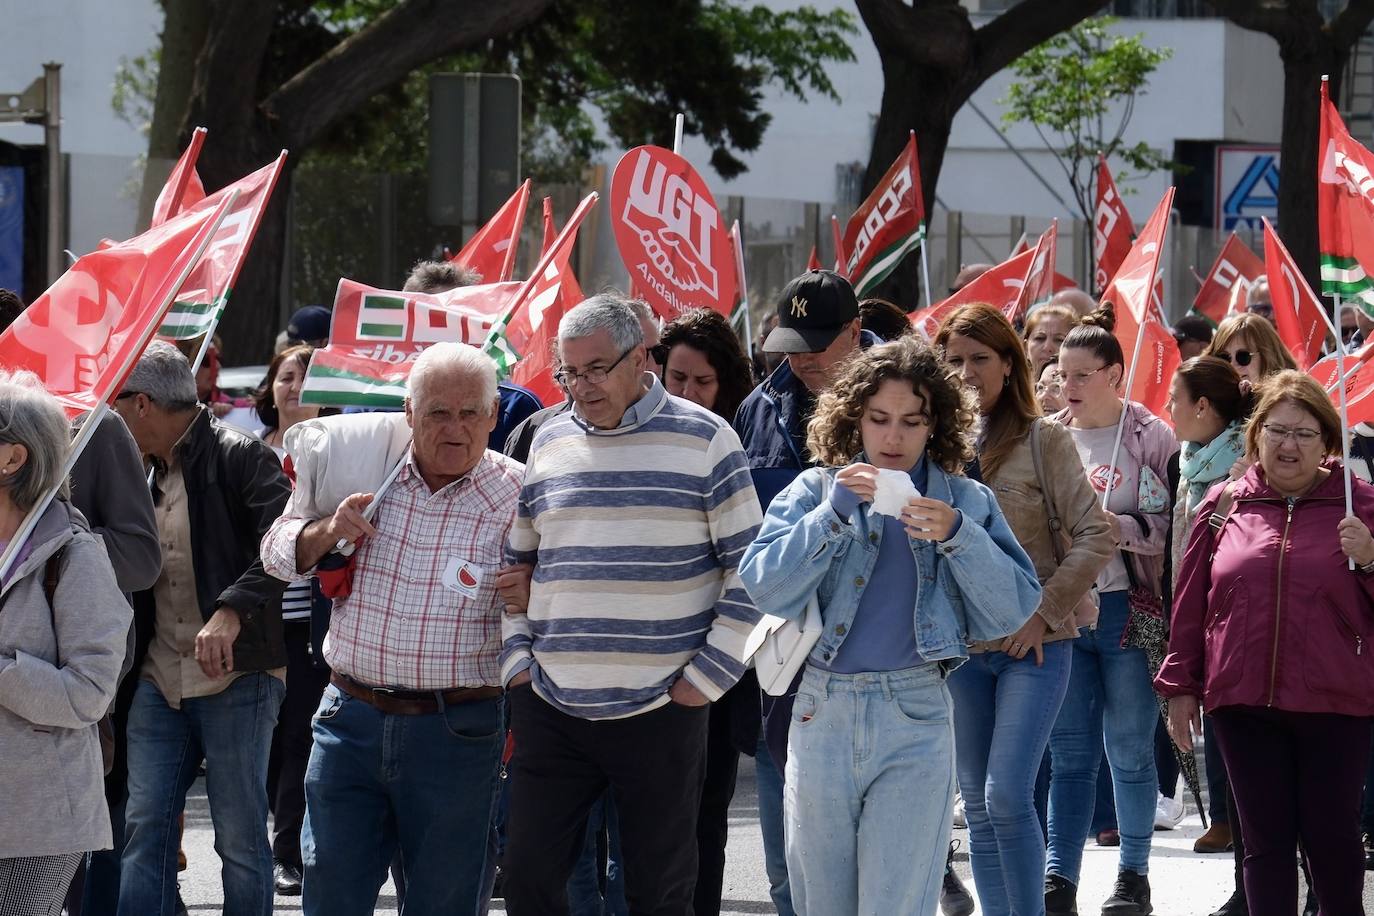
(1356, 542)
(1031, 636)
(860, 479)
(1114, 523)
(929, 519)
(1184, 714)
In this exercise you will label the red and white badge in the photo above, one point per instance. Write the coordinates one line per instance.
(463, 577)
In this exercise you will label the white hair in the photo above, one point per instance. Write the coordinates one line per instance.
(463, 359)
(609, 312)
(163, 374)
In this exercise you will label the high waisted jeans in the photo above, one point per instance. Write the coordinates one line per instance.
(1109, 696)
(1003, 712)
(868, 791)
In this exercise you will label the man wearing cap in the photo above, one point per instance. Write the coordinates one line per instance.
(309, 325)
(818, 329)
(1192, 333)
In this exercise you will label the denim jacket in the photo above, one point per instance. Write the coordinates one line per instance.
(986, 589)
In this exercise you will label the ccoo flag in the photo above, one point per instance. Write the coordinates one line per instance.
(888, 225)
(1345, 211)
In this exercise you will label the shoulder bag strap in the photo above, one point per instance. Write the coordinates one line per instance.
(1226, 503)
(1037, 446)
(51, 573)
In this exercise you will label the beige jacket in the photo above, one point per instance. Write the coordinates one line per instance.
(1088, 541)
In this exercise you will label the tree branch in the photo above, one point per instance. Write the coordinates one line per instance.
(1021, 28)
(936, 33)
(1257, 17)
(410, 34)
(1350, 23)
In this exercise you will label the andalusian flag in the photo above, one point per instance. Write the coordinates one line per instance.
(888, 225)
(1345, 211)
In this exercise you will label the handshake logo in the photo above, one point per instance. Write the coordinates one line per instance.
(674, 225)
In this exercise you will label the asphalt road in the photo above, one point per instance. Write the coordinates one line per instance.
(1183, 883)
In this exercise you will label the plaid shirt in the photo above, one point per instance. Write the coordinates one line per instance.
(423, 613)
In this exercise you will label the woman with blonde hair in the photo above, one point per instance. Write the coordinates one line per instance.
(1007, 695)
(909, 561)
(1250, 344)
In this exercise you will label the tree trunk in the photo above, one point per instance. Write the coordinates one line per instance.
(184, 26)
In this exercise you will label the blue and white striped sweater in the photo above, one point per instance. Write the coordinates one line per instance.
(635, 534)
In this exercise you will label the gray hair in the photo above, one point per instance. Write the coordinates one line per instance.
(448, 356)
(31, 417)
(164, 375)
(608, 311)
(439, 277)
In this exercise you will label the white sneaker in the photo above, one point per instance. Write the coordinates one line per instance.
(959, 819)
(1168, 812)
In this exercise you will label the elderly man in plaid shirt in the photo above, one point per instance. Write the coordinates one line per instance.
(408, 735)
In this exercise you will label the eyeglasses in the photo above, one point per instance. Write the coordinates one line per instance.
(128, 394)
(1302, 438)
(1054, 386)
(596, 376)
(1078, 378)
(1240, 357)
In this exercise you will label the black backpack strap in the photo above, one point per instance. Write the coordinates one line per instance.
(52, 572)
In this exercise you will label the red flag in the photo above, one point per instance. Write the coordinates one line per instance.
(1039, 282)
(1022, 244)
(183, 188)
(1359, 383)
(1112, 228)
(491, 251)
(813, 262)
(1138, 317)
(201, 300)
(523, 337)
(1226, 284)
(84, 334)
(840, 265)
(535, 368)
(887, 225)
(1298, 315)
(1345, 212)
(1000, 287)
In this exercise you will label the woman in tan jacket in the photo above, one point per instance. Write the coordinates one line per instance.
(1007, 695)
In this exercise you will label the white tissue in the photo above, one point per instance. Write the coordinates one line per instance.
(894, 491)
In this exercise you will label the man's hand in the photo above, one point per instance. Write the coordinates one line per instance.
(215, 643)
(520, 680)
(684, 694)
(513, 585)
(348, 523)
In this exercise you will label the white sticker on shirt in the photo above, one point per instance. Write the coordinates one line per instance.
(462, 577)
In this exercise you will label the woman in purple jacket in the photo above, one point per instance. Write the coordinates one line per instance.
(1268, 635)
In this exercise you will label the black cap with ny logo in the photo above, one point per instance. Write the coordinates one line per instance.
(812, 310)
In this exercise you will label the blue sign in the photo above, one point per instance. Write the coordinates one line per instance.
(1247, 186)
(12, 228)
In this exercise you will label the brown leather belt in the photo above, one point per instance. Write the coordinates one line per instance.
(410, 702)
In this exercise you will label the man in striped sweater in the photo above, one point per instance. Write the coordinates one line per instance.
(625, 617)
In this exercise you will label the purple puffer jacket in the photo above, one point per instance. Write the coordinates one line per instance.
(1274, 617)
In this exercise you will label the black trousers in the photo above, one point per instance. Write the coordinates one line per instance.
(305, 683)
(713, 820)
(653, 763)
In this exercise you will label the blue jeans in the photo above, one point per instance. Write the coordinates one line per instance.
(426, 784)
(232, 732)
(1110, 696)
(1003, 712)
(769, 783)
(868, 792)
(585, 896)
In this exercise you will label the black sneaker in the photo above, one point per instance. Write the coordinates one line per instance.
(286, 878)
(1236, 906)
(955, 900)
(1061, 896)
(1130, 897)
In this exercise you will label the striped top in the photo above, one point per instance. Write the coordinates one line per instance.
(297, 600)
(636, 534)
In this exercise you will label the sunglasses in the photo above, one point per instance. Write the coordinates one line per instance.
(1240, 357)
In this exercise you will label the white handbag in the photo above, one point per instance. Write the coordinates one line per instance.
(779, 647)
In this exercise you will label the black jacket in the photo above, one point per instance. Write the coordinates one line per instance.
(235, 489)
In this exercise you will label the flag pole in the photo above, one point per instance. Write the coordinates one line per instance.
(346, 547)
(1345, 416)
(677, 133)
(1125, 406)
(925, 267)
(737, 236)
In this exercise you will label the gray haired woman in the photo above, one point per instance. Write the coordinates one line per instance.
(63, 626)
